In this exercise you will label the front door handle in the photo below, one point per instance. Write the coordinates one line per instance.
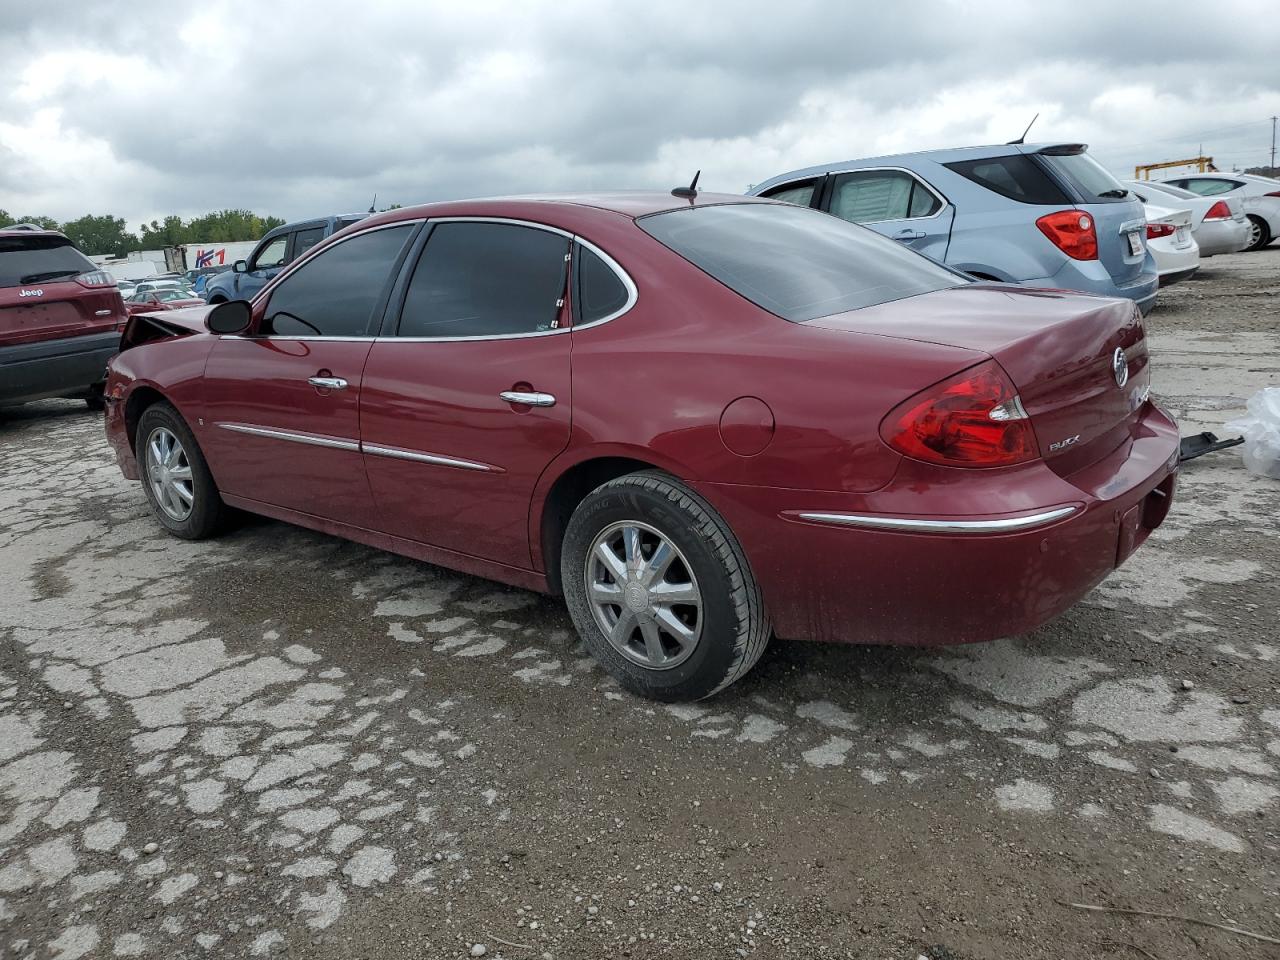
(909, 234)
(327, 383)
(528, 399)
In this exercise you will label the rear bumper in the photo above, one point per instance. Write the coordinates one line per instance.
(828, 572)
(1174, 263)
(55, 368)
(1091, 276)
(1221, 236)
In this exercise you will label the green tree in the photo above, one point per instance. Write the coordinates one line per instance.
(225, 226)
(47, 222)
(157, 236)
(101, 235)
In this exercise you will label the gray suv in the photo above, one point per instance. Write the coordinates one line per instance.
(1042, 215)
(273, 253)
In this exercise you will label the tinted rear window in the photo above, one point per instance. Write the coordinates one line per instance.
(599, 291)
(1016, 176)
(799, 264)
(1212, 187)
(1167, 189)
(1087, 175)
(39, 260)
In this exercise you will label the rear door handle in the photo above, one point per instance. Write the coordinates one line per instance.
(327, 383)
(528, 399)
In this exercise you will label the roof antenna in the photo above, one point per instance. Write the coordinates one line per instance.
(690, 191)
(372, 206)
(1023, 138)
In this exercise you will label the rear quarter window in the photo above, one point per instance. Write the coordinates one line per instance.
(796, 263)
(1016, 177)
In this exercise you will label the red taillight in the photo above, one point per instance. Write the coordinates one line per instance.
(1160, 230)
(974, 419)
(1072, 232)
(1219, 211)
(96, 278)
(1273, 193)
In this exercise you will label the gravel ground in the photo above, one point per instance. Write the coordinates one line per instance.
(279, 743)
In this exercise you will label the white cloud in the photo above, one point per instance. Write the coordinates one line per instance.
(305, 107)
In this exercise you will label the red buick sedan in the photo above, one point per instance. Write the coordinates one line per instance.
(703, 421)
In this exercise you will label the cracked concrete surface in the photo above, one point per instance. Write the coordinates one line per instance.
(280, 742)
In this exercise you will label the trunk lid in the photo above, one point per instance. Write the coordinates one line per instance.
(1059, 349)
(48, 311)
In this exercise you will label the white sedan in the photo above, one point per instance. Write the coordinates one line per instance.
(1260, 196)
(1217, 223)
(1171, 244)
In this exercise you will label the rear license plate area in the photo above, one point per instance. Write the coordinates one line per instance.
(1131, 533)
(1138, 521)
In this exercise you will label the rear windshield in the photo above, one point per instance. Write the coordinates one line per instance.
(797, 263)
(38, 259)
(1016, 176)
(1088, 176)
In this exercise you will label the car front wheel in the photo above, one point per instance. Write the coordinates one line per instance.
(660, 589)
(175, 476)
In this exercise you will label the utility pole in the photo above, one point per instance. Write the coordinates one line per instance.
(1273, 143)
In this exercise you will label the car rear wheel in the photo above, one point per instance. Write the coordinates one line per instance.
(1259, 235)
(660, 590)
(175, 476)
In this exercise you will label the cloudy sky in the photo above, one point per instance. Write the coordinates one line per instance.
(304, 108)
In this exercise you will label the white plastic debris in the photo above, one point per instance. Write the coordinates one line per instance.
(1261, 430)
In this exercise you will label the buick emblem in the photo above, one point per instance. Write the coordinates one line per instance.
(1120, 367)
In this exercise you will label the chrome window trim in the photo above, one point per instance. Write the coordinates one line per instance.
(511, 221)
(941, 526)
(910, 173)
(311, 439)
(399, 453)
(633, 293)
(290, 268)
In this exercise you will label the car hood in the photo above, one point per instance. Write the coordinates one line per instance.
(190, 319)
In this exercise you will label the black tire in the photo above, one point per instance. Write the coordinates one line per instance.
(207, 511)
(95, 399)
(1264, 233)
(734, 626)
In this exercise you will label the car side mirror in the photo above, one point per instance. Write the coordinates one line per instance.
(230, 317)
(240, 266)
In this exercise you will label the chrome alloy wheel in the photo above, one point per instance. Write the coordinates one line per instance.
(169, 473)
(644, 596)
